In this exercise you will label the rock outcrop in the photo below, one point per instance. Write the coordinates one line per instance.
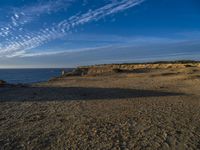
(2, 83)
(120, 68)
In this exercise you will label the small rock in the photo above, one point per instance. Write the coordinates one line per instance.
(2, 83)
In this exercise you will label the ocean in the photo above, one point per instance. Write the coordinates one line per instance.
(29, 75)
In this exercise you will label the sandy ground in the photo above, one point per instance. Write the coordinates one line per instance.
(159, 109)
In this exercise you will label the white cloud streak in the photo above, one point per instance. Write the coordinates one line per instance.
(22, 43)
(22, 16)
(24, 54)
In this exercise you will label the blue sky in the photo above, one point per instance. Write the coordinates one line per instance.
(67, 33)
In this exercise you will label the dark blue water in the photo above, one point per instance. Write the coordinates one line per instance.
(29, 75)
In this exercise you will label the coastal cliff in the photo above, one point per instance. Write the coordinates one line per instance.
(120, 68)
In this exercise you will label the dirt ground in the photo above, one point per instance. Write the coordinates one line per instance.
(158, 109)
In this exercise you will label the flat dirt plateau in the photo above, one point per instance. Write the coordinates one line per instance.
(149, 109)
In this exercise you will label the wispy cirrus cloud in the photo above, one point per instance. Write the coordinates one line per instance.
(27, 14)
(30, 40)
(64, 52)
(21, 16)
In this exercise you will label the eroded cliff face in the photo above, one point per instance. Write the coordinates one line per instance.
(126, 68)
(116, 68)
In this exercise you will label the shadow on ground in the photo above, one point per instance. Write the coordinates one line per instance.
(13, 94)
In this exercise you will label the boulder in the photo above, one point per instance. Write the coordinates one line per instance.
(2, 83)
